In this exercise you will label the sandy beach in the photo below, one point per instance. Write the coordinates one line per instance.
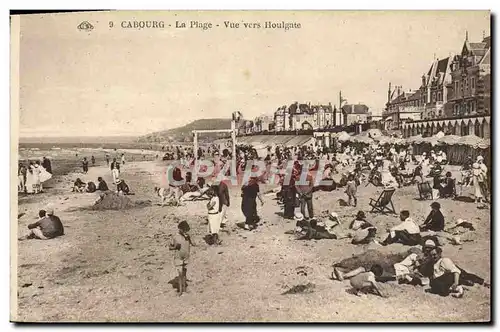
(115, 265)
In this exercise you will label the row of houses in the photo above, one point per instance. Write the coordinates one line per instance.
(302, 116)
(454, 87)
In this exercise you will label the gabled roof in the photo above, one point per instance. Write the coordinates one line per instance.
(486, 60)
(358, 109)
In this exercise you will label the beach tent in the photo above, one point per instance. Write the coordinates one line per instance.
(343, 136)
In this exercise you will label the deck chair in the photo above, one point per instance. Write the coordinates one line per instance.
(384, 202)
(425, 191)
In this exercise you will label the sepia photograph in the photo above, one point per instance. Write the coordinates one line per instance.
(251, 166)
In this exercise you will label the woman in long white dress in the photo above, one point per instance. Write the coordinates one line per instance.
(477, 176)
(30, 179)
(213, 216)
(36, 175)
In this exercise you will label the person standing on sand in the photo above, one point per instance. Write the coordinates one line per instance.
(181, 243)
(123, 158)
(47, 164)
(224, 200)
(107, 159)
(115, 170)
(85, 165)
(249, 194)
(36, 176)
(93, 160)
(213, 216)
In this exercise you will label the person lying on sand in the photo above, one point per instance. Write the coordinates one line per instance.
(410, 269)
(47, 227)
(366, 283)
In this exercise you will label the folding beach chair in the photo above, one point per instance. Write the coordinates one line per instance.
(384, 202)
(425, 191)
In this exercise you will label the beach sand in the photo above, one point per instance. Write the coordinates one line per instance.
(115, 265)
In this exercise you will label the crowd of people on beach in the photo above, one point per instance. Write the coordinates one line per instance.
(351, 165)
(298, 173)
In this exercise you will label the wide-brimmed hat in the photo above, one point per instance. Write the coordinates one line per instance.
(480, 158)
(118, 181)
(333, 215)
(298, 216)
(475, 165)
(429, 244)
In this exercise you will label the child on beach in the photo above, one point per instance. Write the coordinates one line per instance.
(365, 282)
(351, 190)
(181, 243)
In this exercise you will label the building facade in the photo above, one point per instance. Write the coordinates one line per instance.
(470, 86)
(355, 114)
(304, 117)
(453, 88)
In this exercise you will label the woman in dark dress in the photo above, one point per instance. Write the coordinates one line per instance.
(249, 194)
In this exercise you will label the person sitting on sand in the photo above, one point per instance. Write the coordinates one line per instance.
(101, 184)
(78, 186)
(91, 188)
(122, 188)
(365, 282)
(447, 278)
(47, 227)
(447, 187)
(407, 232)
(363, 231)
(435, 219)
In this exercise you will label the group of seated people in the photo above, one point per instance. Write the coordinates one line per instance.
(90, 187)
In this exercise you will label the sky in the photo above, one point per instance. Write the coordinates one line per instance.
(120, 81)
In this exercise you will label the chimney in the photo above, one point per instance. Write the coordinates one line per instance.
(389, 93)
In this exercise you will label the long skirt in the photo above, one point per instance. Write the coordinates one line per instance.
(213, 223)
(249, 209)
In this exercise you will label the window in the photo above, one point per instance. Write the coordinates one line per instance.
(456, 87)
(473, 82)
(466, 84)
(439, 96)
(433, 97)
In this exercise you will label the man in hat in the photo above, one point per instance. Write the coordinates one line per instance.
(408, 270)
(48, 227)
(435, 219)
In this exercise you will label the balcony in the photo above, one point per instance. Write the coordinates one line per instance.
(407, 109)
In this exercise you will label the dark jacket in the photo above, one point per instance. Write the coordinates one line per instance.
(223, 194)
(434, 221)
(51, 226)
(102, 186)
